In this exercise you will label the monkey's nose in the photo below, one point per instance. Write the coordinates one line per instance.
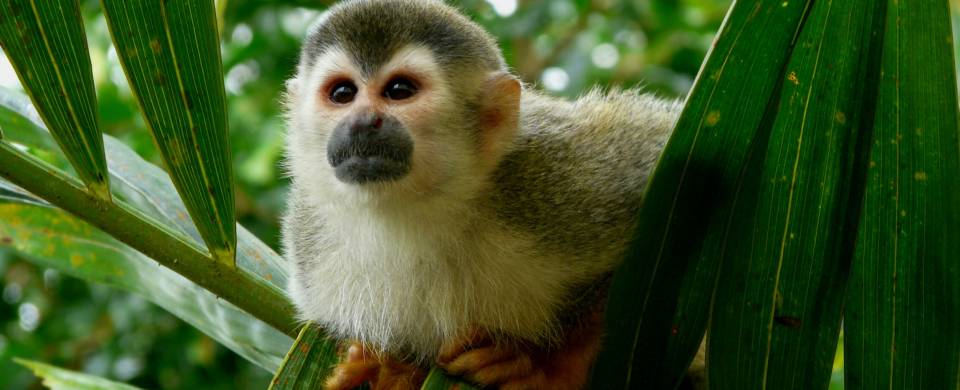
(369, 147)
(366, 122)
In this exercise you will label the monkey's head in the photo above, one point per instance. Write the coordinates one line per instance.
(398, 99)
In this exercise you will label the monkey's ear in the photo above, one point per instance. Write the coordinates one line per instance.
(499, 114)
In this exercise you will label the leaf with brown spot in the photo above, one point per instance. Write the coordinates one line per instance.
(309, 361)
(788, 321)
(89, 254)
(170, 51)
(903, 307)
(148, 200)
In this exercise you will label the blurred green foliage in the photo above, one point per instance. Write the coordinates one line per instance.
(564, 46)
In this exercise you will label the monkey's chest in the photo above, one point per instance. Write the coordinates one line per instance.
(409, 294)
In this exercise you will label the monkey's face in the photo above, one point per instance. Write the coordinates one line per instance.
(401, 129)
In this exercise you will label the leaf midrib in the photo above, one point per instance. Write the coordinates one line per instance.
(63, 89)
(192, 127)
(793, 182)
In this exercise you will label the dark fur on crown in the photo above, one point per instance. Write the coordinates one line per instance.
(371, 31)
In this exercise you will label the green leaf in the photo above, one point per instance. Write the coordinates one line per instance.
(903, 307)
(56, 378)
(148, 214)
(170, 52)
(53, 238)
(661, 295)
(313, 356)
(309, 362)
(778, 303)
(26, 130)
(17, 112)
(12, 194)
(47, 46)
(439, 380)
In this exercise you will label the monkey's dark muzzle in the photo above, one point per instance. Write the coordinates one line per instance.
(370, 147)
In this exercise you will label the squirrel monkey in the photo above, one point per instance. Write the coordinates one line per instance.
(443, 213)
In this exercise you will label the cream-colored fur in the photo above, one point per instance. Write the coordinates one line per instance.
(409, 278)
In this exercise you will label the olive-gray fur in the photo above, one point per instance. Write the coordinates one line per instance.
(577, 170)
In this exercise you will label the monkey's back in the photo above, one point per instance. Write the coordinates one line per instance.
(575, 176)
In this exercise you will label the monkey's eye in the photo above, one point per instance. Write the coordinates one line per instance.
(399, 88)
(343, 92)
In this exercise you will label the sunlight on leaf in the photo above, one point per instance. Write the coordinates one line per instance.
(55, 378)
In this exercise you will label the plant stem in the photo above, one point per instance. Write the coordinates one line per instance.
(131, 227)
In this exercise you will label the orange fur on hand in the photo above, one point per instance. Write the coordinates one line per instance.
(380, 371)
(478, 357)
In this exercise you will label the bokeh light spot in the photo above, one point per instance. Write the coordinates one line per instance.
(504, 8)
(555, 79)
(29, 316)
(605, 56)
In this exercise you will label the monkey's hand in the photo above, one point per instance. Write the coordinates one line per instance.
(492, 363)
(379, 370)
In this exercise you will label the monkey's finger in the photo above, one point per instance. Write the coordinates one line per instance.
(357, 352)
(503, 372)
(474, 360)
(472, 338)
(392, 364)
(398, 376)
(349, 375)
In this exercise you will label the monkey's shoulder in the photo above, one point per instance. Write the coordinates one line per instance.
(597, 124)
(576, 172)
